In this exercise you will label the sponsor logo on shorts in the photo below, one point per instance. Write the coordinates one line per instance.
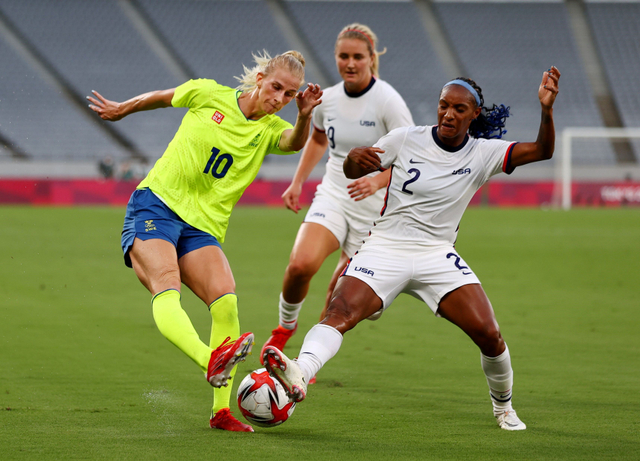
(217, 117)
(367, 123)
(364, 270)
(318, 214)
(149, 226)
(462, 171)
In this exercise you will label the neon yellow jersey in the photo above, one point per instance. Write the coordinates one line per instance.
(213, 157)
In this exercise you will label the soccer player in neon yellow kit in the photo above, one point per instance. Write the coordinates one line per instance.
(178, 215)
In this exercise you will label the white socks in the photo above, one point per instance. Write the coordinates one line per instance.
(320, 345)
(288, 313)
(500, 379)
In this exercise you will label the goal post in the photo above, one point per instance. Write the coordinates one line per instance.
(564, 168)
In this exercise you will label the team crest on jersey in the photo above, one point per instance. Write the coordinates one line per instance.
(367, 123)
(149, 225)
(217, 117)
(255, 140)
(462, 171)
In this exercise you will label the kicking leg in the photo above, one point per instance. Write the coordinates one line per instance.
(155, 263)
(313, 244)
(353, 301)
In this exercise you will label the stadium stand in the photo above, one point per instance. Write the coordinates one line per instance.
(410, 64)
(94, 44)
(616, 28)
(39, 120)
(217, 38)
(506, 55)
(94, 47)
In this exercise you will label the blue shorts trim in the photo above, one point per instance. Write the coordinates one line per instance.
(147, 217)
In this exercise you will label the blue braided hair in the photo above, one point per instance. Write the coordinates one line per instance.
(490, 123)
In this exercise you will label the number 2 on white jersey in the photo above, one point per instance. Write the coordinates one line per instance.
(415, 172)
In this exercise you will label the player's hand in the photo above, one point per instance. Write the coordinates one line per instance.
(291, 197)
(549, 87)
(362, 188)
(366, 158)
(106, 109)
(308, 99)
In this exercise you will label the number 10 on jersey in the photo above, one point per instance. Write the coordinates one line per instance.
(218, 165)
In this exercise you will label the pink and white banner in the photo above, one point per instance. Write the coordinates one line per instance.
(110, 192)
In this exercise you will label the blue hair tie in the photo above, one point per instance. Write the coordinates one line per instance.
(471, 89)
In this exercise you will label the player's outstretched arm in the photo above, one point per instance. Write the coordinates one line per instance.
(114, 111)
(361, 161)
(311, 155)
(544, 146)
(292, 140)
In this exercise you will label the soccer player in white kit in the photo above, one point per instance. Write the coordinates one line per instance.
(357, 111)
(435, 173)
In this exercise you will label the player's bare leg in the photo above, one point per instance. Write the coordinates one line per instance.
(352, 302)
(155, 263)
(342, 263)
(313, 244)
(469, 308)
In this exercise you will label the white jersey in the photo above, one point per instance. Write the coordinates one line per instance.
(432, 184)
(352, 120)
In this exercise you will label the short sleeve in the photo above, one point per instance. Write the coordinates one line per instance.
(391, 143)
(276, 129)
(194, 93)
(318, 118)
(496, 156)
(396, 113)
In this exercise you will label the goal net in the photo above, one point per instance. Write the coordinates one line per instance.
(598, 167)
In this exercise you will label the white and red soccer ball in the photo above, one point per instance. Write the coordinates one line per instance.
(263, 401)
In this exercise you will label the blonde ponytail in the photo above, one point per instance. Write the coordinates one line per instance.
(291, 60)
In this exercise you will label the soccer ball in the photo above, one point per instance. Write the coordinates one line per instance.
(263, 400)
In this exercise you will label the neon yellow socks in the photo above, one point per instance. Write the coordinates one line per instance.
(224, 316)
(174, 323)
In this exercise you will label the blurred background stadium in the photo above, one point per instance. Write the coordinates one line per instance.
(53, 149)
(84, 373)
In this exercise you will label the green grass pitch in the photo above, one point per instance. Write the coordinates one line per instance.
(85, 374)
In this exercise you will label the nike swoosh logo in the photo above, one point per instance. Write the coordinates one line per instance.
(330, 119)
(467, 273)
(412, 162)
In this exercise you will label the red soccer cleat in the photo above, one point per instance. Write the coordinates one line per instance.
(227, 422)
(278, 339)
(226, 356)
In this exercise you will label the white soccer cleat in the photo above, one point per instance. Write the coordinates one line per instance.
(509, 421)
(286, 371)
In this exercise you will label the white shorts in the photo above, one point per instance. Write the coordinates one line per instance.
(348, 223)
(424, 274)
